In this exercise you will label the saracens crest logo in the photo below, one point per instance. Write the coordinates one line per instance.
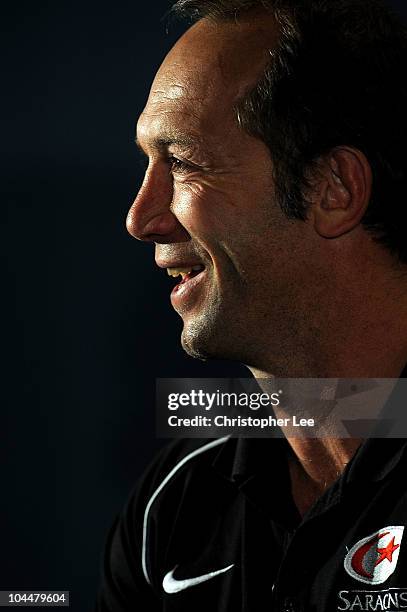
(373, 559)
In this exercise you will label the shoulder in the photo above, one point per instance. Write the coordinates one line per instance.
(174, 463)
(178, 484)
(178, 487)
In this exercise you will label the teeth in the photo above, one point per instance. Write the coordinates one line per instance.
(183, 272)
(178, 271)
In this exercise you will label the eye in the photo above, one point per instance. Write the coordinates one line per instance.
(178, 165)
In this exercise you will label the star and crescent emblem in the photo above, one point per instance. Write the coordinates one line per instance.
(374, 558)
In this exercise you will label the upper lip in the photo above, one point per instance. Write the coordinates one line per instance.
(178, 263)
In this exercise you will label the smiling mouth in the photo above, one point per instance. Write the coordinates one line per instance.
(186, 273)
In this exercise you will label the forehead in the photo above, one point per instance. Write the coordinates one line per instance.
(207, 71)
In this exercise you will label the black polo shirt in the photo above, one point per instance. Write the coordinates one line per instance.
(213, 527)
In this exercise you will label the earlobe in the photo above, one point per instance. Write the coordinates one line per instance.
(342, 195)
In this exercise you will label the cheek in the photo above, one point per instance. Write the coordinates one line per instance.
(234, 224)
(237, 205)
(205, 212)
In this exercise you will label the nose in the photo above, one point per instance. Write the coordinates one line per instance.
(150, 217)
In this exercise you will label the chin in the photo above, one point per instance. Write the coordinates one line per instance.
(210, 339)
(196, 346)
(200, 333)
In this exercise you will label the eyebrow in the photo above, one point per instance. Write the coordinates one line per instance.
(160, 143)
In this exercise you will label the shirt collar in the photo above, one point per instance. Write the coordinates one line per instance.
(377, 457)
(259, 468)
(241, 460)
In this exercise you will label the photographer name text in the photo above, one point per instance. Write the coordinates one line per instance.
(239, 422)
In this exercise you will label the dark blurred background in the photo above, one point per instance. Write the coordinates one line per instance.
(87, 323)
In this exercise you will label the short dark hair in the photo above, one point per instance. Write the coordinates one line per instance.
(337, 77)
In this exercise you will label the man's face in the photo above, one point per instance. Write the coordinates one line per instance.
(208, 202)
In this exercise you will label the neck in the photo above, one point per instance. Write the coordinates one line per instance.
(315, 464)
(358, 331)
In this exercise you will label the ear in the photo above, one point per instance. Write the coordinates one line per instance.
(341, 192)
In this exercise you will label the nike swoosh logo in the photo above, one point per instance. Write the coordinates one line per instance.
(171, 585)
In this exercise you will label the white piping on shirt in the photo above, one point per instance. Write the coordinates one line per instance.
(174, 470)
